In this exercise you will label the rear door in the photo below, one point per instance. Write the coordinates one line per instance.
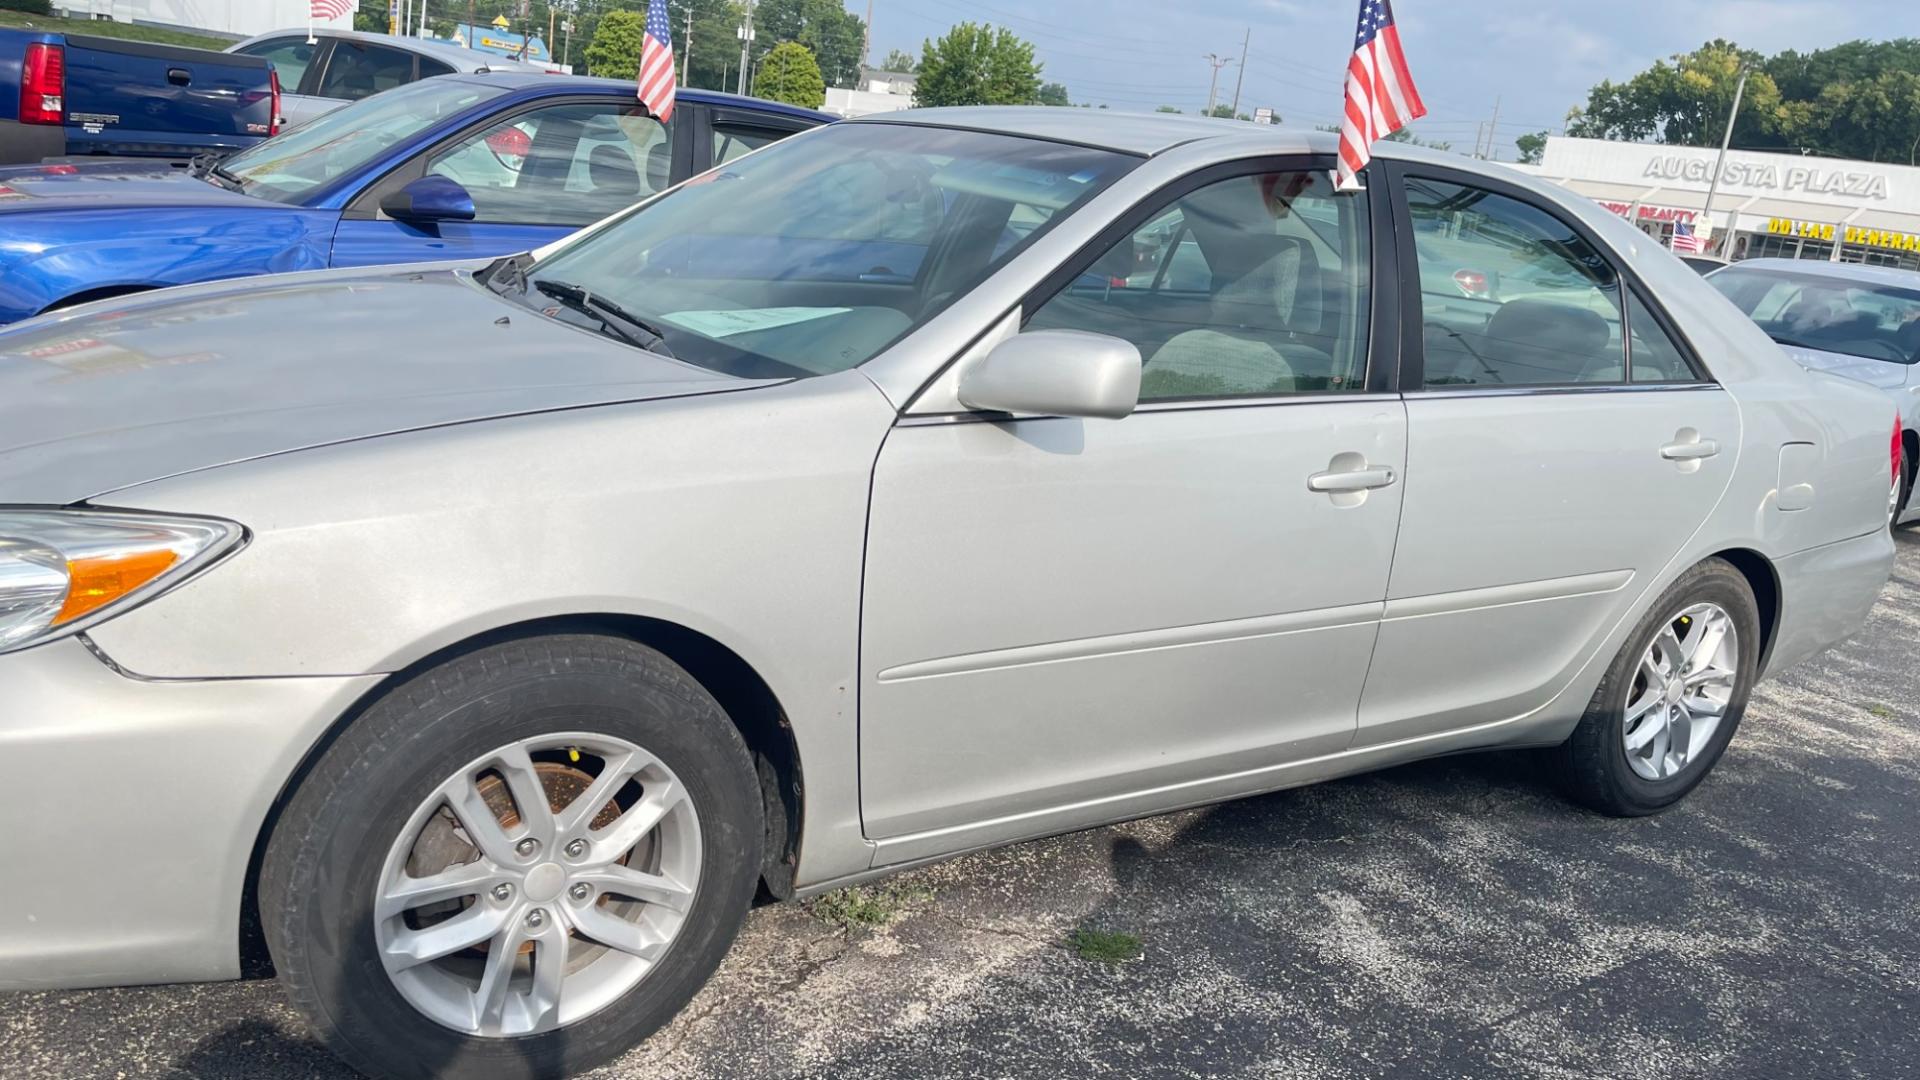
(1564, 444)
(299, 64)
(134, 97)
(535, 175)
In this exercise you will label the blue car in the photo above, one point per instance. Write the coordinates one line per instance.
(459, 166)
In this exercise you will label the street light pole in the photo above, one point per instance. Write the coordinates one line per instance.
(1720, 163)
(746, 48)
(1216, 62)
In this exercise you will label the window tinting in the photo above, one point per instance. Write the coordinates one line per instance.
(357, 70)
(1252, 286)
(1510, 295)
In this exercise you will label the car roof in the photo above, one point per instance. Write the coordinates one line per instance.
(460, 56)
(523, 80)
(1836, 271)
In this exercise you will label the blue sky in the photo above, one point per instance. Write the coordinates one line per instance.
(1539, 56)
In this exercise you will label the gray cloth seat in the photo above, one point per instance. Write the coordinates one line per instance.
(612, 172)
(1542, 341)
(1247, 346)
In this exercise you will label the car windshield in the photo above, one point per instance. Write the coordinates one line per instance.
(1867, 319)
(287, 167)
(813, 255)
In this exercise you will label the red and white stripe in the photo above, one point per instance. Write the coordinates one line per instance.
(656, 64)
(331, 9)
(1381, 99)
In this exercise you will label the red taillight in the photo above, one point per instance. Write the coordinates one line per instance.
(273, 87)
(1116, 283)
(1472, 283)
(43, 85)
(1897, 455)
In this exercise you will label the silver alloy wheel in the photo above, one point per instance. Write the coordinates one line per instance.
(1681, 691)
(500, 913)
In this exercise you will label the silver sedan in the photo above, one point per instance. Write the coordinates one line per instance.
(487, 635)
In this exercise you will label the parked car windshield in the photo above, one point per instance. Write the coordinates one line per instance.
(285, 168)
(816, 253)
(1815, 311)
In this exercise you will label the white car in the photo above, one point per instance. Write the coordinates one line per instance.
(325, 69)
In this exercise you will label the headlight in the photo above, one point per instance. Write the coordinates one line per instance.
(64, 570)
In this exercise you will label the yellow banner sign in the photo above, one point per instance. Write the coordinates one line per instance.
(1851, 234)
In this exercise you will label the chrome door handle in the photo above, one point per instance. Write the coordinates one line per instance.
(1690, 451)
(1366, 479)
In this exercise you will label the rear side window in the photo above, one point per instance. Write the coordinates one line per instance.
(358, 70)
(732, 140)
(1652, 355)
(289, 56)
(1511, 295)
(429, 68)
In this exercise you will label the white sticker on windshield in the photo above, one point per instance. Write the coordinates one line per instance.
(719, 324)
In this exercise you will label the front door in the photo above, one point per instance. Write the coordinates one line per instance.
(535, 177)
(1564, 446)
(1068, 620)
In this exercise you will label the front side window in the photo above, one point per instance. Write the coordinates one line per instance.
(1253, 286)
(357, 70)
(289, 56)
(1509, 294)
(1874, 321)
(560, 165)
(288, 167)
(814, 255)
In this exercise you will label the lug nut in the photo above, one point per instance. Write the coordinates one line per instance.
(580, 891)
(536, 918)
(527, 847)
(576, 848)
(503, 892)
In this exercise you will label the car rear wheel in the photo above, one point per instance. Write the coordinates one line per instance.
(516, 864)
(1672, 698)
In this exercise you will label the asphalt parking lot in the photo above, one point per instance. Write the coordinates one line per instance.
(1452, 918)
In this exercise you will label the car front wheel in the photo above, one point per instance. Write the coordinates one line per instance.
(516, 864)
(1672, 698)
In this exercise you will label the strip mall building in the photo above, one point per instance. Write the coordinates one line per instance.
(1776, 205)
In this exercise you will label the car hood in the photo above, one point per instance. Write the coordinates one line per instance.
(1882, 373)
(56, 187)
(121, 392)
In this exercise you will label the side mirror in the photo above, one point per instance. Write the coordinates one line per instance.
(428, 200)
(1055, 373)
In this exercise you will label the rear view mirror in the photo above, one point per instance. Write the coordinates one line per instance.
(1055, 373)
(428, 200)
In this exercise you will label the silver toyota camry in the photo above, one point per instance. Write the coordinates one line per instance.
(487, 635)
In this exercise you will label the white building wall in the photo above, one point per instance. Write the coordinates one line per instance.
(842, 102)
(241, 17)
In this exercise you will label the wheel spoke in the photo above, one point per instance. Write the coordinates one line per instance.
(482, 827)
(1680, 738)
(1702, 705)
(1662, 744)
(463, 879)
(1705, 642)
(529, 795)
(640, 819)
(549, 975)
(490, 998)
(1650, 699)
(614, 932)
(649, 888)
(1654, 724)
(1667, 644)
(578, 814)
(469, 928)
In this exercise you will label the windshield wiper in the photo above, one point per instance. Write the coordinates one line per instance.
(1792, 343)
(616, 319)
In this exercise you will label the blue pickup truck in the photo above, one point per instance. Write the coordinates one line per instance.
(74, 94)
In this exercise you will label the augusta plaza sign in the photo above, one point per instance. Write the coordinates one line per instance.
(1747, 175)
(1766, 176)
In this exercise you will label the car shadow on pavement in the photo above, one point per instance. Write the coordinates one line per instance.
(258, 1048)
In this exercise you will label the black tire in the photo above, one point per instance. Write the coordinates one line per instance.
(322, 864)
(1909, 467)
(1593, 761)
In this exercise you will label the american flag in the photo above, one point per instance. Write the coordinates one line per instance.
(1686, 240)
(330, 9)
(1381, 98)
(656, 64)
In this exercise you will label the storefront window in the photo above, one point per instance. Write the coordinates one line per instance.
(1773, 246)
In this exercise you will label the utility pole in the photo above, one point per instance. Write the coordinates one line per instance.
(686, 56)
(1720, 163)
(1240, 78)
(866, 48)
(1493, 131)
(745, 34)
(472, 43)
(1216, 62)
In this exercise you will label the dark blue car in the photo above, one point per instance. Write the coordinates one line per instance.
(452, 167)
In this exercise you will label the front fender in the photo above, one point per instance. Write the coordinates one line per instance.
(50, 256)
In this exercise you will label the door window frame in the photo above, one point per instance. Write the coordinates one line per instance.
(1384, 346)
(1393, 175)
(366, 205)
(323, 62)
(310, 78)
(700, 146)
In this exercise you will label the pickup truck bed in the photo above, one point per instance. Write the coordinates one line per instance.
(65, 94)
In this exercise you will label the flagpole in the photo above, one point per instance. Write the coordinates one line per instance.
(1720, 163)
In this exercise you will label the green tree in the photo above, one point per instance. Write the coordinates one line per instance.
(900, 60)
(1166, 109)
(1532, 147)
(977, 65)
(1685, 101)
(836, 37)
(1052, 93)
(789, 73)
(615, 50)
